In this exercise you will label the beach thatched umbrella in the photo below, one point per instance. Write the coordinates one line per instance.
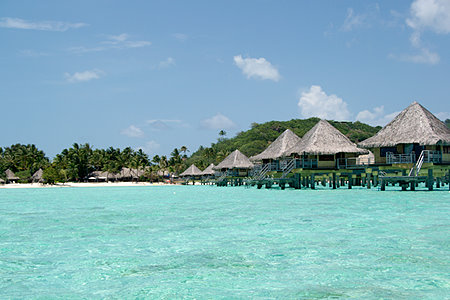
(209, 171)
(278, 147)
(37, 176)
(324, 139)
(414, 125)
(10, 176)
(236, 160)
(192, 171)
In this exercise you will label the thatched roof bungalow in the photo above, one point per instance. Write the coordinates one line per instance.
(235, 164)
(192, 171)
(325, 145)
(277, 148)
(413, 130)
(10, 176)
(38, 176)
(103, 176)
(209, 171)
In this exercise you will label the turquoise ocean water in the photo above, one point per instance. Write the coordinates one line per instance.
(207, 242)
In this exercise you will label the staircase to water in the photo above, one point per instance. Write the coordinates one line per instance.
(288, 168)
(416, 168)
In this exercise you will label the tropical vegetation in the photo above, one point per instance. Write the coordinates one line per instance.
(78, 161)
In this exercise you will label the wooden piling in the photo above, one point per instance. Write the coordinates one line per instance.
(430, 179)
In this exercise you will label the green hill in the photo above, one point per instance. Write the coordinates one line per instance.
(257, 139)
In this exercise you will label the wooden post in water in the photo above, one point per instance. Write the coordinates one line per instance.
(413, 185)
(368, 180)
(334, 181)
(338, 180)
(313, 182)
(350, 181)
(383, 185)
(430, 179)
(404, 186)
(438, 182)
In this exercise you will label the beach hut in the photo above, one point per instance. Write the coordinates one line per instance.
(38, 176)
(276, 150)
(130, 174)
(208, 172)
(412, 131)
(325, 147)
(236, 164)
(192, 171)
(102, 176)
(10, 176)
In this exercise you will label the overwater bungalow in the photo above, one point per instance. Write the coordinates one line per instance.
(208, 172)
(276, 150)
(11, 177)
(412, 133)
(324, 147)
(192, 172)
(38, 176)
(236, 165)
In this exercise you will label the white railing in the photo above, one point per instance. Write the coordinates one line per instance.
(288, 167)
(262, 173)
(392, 158)
(344, 163)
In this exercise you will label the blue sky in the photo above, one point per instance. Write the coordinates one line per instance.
(162, 74)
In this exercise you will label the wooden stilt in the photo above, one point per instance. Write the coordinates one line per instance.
(413, 186)
(313, 182)
(334, 181)
(383, 185)
(430, 179)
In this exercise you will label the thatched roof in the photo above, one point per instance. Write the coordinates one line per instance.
(37, 176)
(414, 125)
(104, 174)
(10, 175)
(235, 160)
(130, 173)
(192, 171)
(209, 170)
(278, 147)
(324, 139)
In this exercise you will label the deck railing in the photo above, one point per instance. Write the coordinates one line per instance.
(351, 162)
(392, 158)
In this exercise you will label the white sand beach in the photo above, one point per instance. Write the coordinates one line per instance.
(80, 184)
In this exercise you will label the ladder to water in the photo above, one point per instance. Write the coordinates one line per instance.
(288, 168)
(262, 173)
(416, 168)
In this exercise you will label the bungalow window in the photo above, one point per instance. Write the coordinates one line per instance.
(446, 149)
(384, 150)
(326, 157)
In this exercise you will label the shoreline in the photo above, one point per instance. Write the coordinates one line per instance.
(81, 184)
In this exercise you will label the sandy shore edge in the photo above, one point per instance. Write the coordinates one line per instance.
(80, 184)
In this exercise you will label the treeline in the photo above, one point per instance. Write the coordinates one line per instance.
(78, 161)
(259, 137)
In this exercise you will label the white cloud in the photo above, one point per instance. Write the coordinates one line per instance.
(430, 14)
(443, 115)
(164, 124)
(133, 131)
(433, 15)
(218, 121)
(120, 41)
(424, 56)
(83, 76)
(167, 63)
(377, 117)
(180, 36)
(316, 103)
(352, 20)
(150, 147)
(17, 23)
(257, 68)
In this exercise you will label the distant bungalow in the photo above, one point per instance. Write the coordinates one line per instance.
(192, 171)
(38, 176)
(412, 131)
(277, 149)
(208, 172)
(324, 147)
(236, 164)
(11, 177)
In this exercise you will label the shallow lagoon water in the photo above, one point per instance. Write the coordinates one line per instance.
(209, 242)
